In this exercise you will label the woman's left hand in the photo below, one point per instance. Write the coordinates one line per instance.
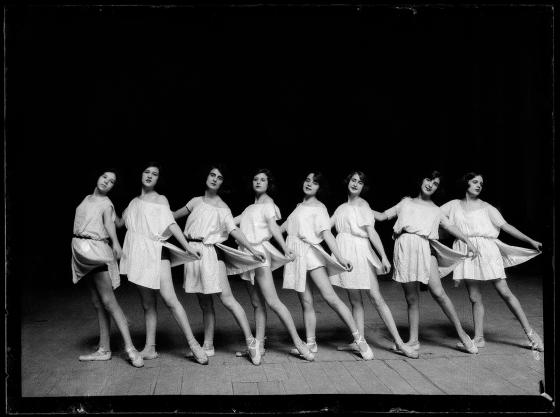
(117, 251)
(536, 245)
(473, 250)
(290, 254)
(258, 255)
(346, 264)
(386, 265)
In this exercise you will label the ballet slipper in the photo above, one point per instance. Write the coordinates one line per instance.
(254, 351)
(311, 345)
(349, 347)
(208, 350)
(478, 341)
(134, 357)
(99, 355)
(304, 351)
(469, 347)
(149, 355)
(406, 350)
(365, 350)
(535, 341)
(198, 353)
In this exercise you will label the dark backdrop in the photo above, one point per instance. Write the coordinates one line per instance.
(390, 91)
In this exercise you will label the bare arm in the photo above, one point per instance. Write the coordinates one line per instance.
(331, 243)
(182, 212)
(119, 221)
(454, 231)
(277, 235)
(178, 234)
(515, 232)
(380, 217)
(378, 246)
(240, 237)
(237, 220)
(110, 227)
(283, 227)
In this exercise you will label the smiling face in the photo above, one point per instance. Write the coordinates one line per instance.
(355, 185)
(150, 177)
(475, 186)
(260, 183)
(429, 186)
(310, 186)
(106, 182)
(214, 180)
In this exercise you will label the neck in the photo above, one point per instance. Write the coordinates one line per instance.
(146, 190)
(353, 197)
(469, 197)
(309, 198)
(424, 197)
(260, 197)
(98, 193)
(210, 193)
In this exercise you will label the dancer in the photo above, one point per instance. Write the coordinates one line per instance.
(354, 222)
(307, 226)
(258, 224)
(209, 223)
(94, 226)
(418, 254)
(147, 259)
(482, 223)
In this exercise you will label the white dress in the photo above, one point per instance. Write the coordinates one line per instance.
(353, 241)
(305, 225)
(210, 226)
(416, 234)
(482, 226)
(254, 225)
(147, 229)
(91, 250)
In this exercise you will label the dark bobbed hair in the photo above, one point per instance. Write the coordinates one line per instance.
(271, 180)
(429, 174)
(159, 166)
(463, 182)
(321, 180)
(225, 188)
(363, 178)
(95, 174)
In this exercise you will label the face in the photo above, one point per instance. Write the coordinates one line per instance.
(355, 185)
(106, 181)
(475, 185)
(260, 183)
(429, 186)
(150, 177)
(310, 186)
(214, 180)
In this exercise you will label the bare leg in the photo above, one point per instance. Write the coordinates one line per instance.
(149, 303)
(208, 317)
(473, 287)
(104, 288)
(384, 311)
(103, 318)
(259, 307)
(355, 298)
(412, 296)
(440, 296)
(513, 303)
(263, 277)
(309, 317)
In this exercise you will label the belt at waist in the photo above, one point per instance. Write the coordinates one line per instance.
(90, 238)
(192, 239)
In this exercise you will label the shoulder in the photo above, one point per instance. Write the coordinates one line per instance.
(194, 201)
(161, 199)
(363, 204)
(222, 205)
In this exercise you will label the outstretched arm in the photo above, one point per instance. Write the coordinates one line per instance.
(513, 231)
(110, 227)
(378, 246)
(283, 227)
(331, 243)
(277, 234)
(176, 231)
(237, 220)
(380, 217)
(240, 237)
(454, 231)
(182, 212)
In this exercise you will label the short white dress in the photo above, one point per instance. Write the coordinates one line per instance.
(90, 244)
(305, 225)
(206, 228)
(147, 229)
(353, 241)
(254, 225)
(416, 234)
(482, 226)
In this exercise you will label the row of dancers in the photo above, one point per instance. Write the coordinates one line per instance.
(357, 258)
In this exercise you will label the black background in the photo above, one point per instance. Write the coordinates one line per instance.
(390, 91)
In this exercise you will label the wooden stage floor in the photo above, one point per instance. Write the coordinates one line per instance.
(59, 325)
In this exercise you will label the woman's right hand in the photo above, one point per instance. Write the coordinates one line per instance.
(195, 252)
(117, 251)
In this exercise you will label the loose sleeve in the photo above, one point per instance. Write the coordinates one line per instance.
(322, 221)
(444, 220)
(446, 208)
(394, 211)
(166, 219)
(495, 216)
(364, 216)
(271, 212)
(110, 206)
(228, 222)
(192, 203)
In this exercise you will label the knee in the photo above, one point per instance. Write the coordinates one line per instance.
(356, 303)
(108, 303)
(148, 305)
(378, 300)
(275, 304)
(228, 301)
(206, 305)
(307, 303)
(411, 299)
(96, 303)
(257, 305)
(439, 295)
(332, 299)
(476, 298)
